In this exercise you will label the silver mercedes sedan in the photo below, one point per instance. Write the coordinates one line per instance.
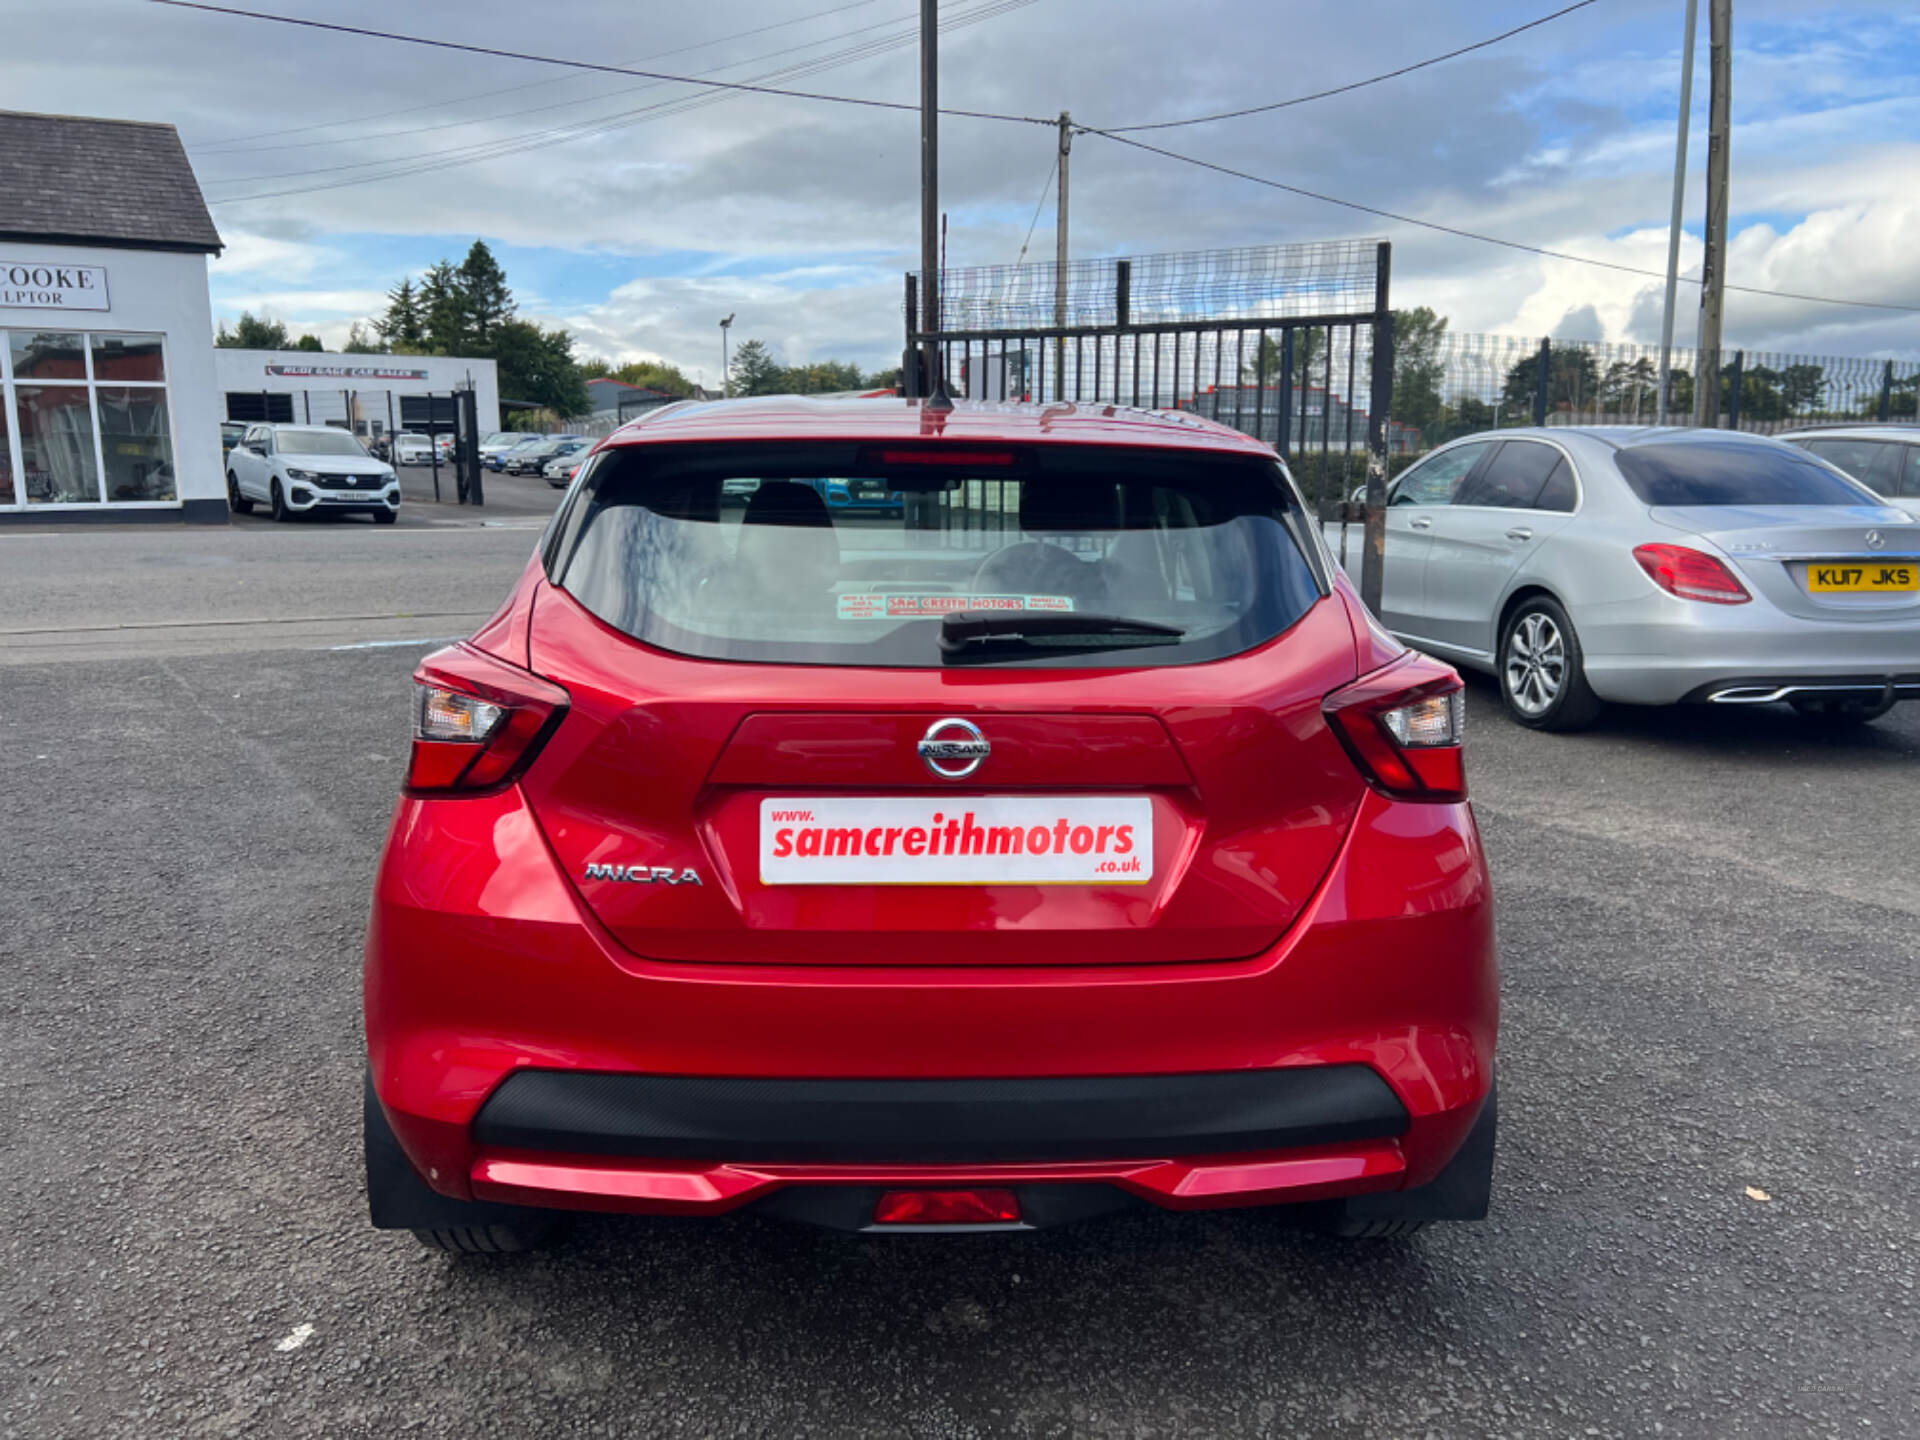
(1651, 567)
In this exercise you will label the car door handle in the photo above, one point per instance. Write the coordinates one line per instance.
(1519, 532)
(1420, 522)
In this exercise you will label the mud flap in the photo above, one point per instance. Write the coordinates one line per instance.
(1462, 1191)
(398, 1199)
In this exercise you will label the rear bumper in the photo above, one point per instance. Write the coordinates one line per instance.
(520, 1054)
(1662, 651)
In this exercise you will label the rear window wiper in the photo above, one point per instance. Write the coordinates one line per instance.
(964, 629)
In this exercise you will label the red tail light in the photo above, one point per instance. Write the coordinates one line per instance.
(1691, 574)
(947, 1207)
(1403, 726)
(477, 721)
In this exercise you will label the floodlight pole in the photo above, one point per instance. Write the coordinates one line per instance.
(726, 376)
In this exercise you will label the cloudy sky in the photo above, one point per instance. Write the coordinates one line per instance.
(636, 213)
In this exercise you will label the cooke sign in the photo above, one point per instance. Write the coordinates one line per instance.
(27, 285)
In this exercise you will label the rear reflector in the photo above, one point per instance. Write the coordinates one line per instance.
(947, 1207)
(1403, 725)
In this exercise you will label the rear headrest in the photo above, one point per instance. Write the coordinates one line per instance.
(1066, 509)
(786, 502)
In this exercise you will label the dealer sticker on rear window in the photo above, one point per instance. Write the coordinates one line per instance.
(914, 605)
(957, 840)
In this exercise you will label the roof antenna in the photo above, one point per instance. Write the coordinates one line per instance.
(940, 399)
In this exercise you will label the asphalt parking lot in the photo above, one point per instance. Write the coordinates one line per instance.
(1709, 1177)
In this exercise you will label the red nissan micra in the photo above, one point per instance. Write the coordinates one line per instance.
(1065, 840)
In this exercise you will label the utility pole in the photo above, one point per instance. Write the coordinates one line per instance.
(1060, 261)
(1713, 273)
(930, 201)
(1679, 201)
(726, 374)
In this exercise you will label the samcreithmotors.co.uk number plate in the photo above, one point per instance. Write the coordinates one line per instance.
(957, 840)
(1870, 577)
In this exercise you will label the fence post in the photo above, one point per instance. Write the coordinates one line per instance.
(1285, 387)
(1541, 380)
(1373, 554)
(1886, 393)
(1122, 299)
(1734, 373)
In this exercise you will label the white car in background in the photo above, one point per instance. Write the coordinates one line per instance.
(562, 468)
(411, 448)
(1884, 458)
(298, 469)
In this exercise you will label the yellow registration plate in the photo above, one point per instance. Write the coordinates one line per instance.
(1873, 576)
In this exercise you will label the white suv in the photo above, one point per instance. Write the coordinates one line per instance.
(297, 469)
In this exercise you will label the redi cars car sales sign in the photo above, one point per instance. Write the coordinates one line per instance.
(34, 285)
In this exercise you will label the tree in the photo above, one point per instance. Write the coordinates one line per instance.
(251, 333)
(1801, 386)
(537, 365)
(443, 321)
(755, 371)
(1265, 361)
(822, 378)
(1573, 380)
(1761, 397)
(404, 324)
(1627, 389)
(309, 342)
(359, 342)
(1418, 368)
(1472, 414)
(654, 375)
(485, 301)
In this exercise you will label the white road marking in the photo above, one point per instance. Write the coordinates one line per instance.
(391, 644)
(301, 1334)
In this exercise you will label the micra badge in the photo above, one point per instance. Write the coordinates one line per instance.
(644, 874)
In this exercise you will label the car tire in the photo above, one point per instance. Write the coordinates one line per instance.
(1541, 669)
(1841, 712)
(1343, 1227)
(512, 1239)
(277, 502)
(385, 517)
(237, 502)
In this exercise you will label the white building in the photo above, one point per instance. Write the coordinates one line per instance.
(107, 399)
(367, 394)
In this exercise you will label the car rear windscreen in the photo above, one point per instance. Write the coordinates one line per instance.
(1735, 473)
(850, 554)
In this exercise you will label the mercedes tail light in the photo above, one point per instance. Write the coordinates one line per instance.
(1691, 574)
(1403, 725)
(477, 721)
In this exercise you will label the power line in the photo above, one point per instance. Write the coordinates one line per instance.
(1471, 234)
(1357, 84)
(245, 141)
(576, 129)
(398, 167)
(1039, 205)
(741, 86)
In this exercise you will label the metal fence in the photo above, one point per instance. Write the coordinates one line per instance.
(1453, 385)
(1281, 342)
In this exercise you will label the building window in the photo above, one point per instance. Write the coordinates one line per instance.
(84, 419)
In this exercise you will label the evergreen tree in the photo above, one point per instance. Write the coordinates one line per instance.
(537, 365)
(486, 302)
(755, 371)
(310, 342)
(404, 324)
(443, 312)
